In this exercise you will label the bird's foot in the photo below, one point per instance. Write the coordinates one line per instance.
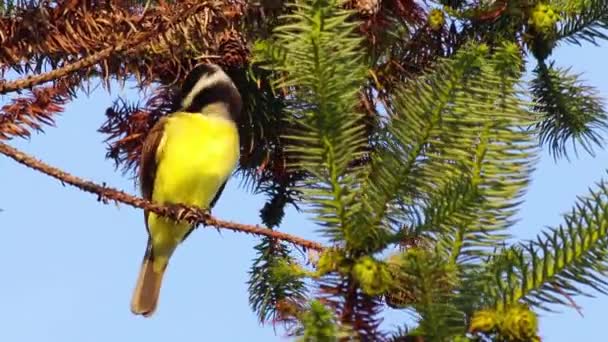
(185, 213)
(182, 211)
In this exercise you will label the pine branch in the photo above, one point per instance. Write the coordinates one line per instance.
(583, 20)
(461, 131)
(10, 86)
(394, 171)
(276, 292)
(193, 215)
(317, 51)
(571, 111)
(501, 160)
(31, 113)
(560, 263)
(433, 146)
(57, 33)
(127, 44)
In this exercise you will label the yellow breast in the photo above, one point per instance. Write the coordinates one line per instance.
(196, 155)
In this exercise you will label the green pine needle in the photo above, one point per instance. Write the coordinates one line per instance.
(562, 262)
(571, 111)
(583, 20)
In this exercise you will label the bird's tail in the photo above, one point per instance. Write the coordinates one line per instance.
(147, 290)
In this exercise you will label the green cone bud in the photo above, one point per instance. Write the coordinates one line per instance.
(373, 276)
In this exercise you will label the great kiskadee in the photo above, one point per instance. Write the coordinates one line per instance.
(186, 159)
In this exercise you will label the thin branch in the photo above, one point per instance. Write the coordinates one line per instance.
(30, 81)
(191, 214)
(129, 43)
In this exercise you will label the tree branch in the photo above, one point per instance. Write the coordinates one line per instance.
(30, 81)
(193, 215)
(127, 44)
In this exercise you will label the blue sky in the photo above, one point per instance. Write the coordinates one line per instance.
(70, 262)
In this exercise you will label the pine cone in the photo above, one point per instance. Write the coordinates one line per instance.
(399, 299)
(233, 49)
(368, 7)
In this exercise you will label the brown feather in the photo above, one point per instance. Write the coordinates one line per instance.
(148, 162)
(147, 290)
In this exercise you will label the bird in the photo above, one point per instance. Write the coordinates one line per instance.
(186, 159)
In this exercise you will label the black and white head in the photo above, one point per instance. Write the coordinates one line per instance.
(208, 84)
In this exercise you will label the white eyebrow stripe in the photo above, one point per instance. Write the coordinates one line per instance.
(203, 83)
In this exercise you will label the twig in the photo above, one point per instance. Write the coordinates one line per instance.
(28, 82)
(191, 214)
(128, 44)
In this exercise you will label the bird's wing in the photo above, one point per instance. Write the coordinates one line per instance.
(148, 161)
(217, 195)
